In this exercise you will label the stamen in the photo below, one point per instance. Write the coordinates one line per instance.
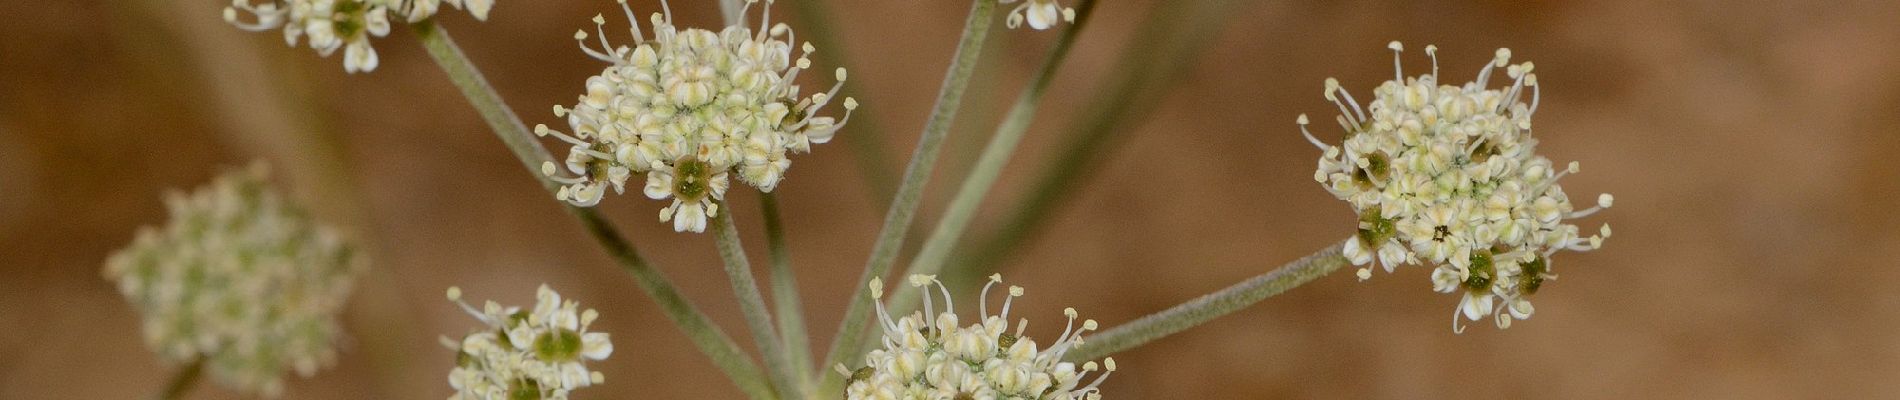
(1398, 70)
(983, 305)
(1309, 134)
(1455, 329)
(600, 27)
(580, 38)
(1536, 93)
(634, 23)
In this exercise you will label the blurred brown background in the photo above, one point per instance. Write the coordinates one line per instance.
(1751, 145)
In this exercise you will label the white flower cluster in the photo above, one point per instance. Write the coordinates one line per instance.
(241, 281)
(937, 359)
(1450, 175)
(348, 24)
(688, 108)
(536, 354)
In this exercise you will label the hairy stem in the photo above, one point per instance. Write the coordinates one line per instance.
(714, 343)
(183, 380)
(849, 342)
(785, 298)
(1174, 35)
(1214, 305)
(752, 305)
(989, 166)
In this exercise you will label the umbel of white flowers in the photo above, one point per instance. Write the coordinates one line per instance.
(341, 23)
(240, 280)
(688, 108)
(526, 354)
(1450, 175)
(927, 355)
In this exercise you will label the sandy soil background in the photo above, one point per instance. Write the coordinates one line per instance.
(1750, 145)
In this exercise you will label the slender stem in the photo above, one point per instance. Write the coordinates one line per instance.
(863, 133)
(989, 166)
(752, 304)
(182, 380)
(1200, 310)
(785, 298)
(923, 161)
(1119, 107)
(724, 353)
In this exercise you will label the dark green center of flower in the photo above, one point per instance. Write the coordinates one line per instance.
(1482, 271)
(1484, 152)
(526, 389)
(515, 319)
(1378, 168)
(464, 360)
(558, 345)
(1534, 275)
(690, 180)
(348, 24)
(1004, 341)
(1374, 229)
(861, 374)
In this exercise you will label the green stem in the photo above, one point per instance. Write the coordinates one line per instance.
(863, 134)
(724, 353)
(989, 166)
(1119, 107)
(849, 342)
(183, 380)
(785, 298)
(752, 304)
(1200, 310)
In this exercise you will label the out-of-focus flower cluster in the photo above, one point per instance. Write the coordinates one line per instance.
(526, 354)
(1041, 14)
(347, 24)
(688, 108)
(239, 280)
(1449, 175)
(936, 358)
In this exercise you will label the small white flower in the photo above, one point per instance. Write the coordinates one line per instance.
(539, 353)
(241, 280)
(347, 24)
(936, 358)
(1041, 14)
(1450, 175)
(690, 108)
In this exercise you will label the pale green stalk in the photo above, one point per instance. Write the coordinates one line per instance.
(989, 166)
(864, 134)
(1200, 310)
(785, 298)
(849, 342)
(1175, 38)
(752, 305)
(182, 381)
(724, 353)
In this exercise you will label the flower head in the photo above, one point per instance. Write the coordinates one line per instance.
(1041, 14)
(240, 279)
(689, 108)
(927, 355)
(1450, 176)
(539, 353)
(348, 24)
